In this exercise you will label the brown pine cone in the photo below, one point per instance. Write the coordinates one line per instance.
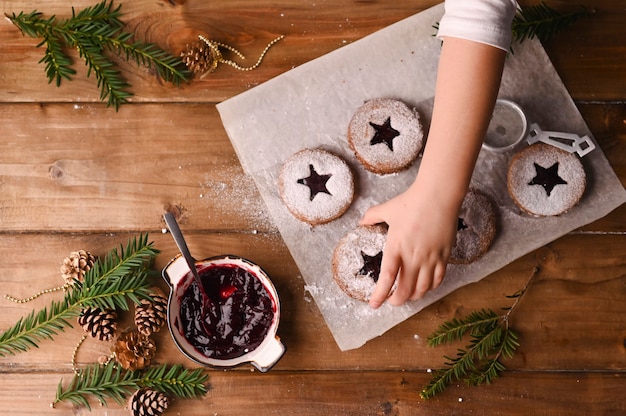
(76, 265)
(200, 58)
(147, 402)
(150, 316)
(100, 324)
(134, 350)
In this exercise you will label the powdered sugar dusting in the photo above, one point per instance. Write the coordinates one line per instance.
(478, 213)
(348, 260)
(533, 198)
(296, 196)
(236, 192)
(379, 158)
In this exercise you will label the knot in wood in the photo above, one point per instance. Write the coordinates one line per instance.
(56, 171)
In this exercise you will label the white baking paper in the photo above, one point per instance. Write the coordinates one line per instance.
(311, 105)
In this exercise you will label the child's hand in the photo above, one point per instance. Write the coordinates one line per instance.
(423, 220)
(420, 237)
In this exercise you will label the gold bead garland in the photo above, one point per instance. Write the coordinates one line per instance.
(210, 61)
(36, 295)
(73, 268)
(76, 348)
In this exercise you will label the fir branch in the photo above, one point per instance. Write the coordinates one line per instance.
(492, 340)
(110, 283)
(36, 327)
(542, 21)
(110, 381)
(455, 329)
(176, 381)
(92, 32)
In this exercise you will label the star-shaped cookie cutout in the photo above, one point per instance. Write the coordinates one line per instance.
(371, 266)
(315, 182)
(547, 177)
(384, 133)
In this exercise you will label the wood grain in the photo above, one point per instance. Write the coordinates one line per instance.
(352, 393)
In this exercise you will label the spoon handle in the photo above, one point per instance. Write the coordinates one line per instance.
(172, 225)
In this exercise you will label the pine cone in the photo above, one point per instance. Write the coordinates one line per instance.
(76, 265)
(147, 402)
(150, 316)
(134, 350)
(99, 323)
(200, 58)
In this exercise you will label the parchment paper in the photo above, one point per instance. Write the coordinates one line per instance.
(311, 105)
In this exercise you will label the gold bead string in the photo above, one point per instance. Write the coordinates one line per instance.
(36, 295)
(216, 45)
(227, 47)
(76, 348)
(75, 353)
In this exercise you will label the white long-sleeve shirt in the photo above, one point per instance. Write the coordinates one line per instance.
(484, 21)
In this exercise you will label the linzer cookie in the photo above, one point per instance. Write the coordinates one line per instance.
(385, 135)
(316, 186)
(356, 261)
(544, 180)
(476, 229)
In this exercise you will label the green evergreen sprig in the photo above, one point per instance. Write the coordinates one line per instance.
(94, 32)
(542, 22)
(122, 276)
(110, 381)
(491, 340)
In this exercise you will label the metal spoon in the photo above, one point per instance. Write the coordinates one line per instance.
(172, 225)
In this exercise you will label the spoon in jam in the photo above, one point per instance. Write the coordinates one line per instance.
(172, 225)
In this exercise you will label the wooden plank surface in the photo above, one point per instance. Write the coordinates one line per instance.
(390, 393)
(76, 175)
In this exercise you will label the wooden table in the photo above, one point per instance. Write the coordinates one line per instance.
(77, 175)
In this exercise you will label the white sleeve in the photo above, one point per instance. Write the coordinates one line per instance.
(484, 21)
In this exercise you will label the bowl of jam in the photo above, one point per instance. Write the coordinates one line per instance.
(234, 321)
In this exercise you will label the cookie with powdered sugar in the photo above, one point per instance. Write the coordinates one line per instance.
(385, 135)
(476, 228)
(356, 260)
(544, 180)
(316, 186)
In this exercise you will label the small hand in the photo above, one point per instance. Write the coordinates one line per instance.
(421, 234)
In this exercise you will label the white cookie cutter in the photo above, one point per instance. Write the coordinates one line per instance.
(567, 141)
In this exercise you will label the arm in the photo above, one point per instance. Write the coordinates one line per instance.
(422, 220)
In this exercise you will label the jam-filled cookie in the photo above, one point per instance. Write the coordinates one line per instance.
(476, 228)
(316, 186)
(357, 259)
(544, 180)
(385, 135)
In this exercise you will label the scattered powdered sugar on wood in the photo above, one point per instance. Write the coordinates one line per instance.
(234, 191)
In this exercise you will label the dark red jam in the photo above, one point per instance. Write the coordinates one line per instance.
(236, 317)
(547, 177)
(315, 182)
(384, 133)
(371, 266)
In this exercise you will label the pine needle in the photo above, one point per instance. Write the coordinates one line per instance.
(542, 22)
(93, 32)
(122, 276)
(110, 381)
(480, 362)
